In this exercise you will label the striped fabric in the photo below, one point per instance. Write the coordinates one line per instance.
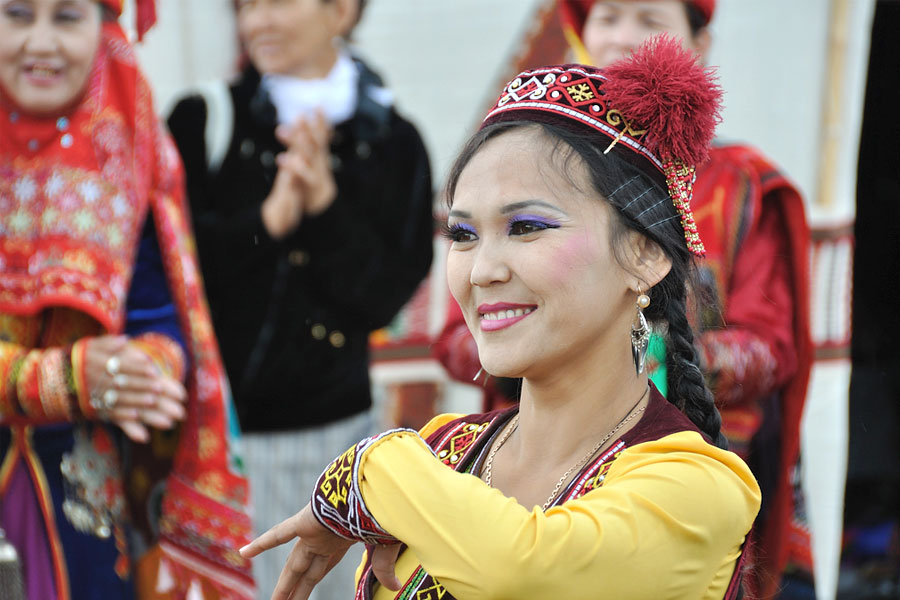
(283, 467)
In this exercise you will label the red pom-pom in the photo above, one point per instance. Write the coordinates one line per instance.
(663, 87)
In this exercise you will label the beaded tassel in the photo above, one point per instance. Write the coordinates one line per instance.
(680, 179)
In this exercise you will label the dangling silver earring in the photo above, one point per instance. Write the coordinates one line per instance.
(640, 332)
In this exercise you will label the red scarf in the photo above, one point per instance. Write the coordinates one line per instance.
(74, 193)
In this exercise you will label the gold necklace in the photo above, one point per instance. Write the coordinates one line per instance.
(514, 424)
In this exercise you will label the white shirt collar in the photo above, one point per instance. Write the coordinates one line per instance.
(336, 95)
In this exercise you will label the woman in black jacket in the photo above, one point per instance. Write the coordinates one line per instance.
(311, 201)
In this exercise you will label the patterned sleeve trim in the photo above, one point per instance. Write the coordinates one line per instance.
(337, 501)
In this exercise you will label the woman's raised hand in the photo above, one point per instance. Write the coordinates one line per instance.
(314, 554)
(304, 184)
(131, 389)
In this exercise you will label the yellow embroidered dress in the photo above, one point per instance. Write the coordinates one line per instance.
(661, 514)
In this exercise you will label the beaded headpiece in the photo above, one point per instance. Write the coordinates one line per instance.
(656, 108)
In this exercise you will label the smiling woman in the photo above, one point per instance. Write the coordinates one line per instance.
(47, 50)
(104, 329)
(571, 233)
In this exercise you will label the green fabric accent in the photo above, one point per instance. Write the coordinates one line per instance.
(657, 351)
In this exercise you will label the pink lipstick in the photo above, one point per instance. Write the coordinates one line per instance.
(498, 316)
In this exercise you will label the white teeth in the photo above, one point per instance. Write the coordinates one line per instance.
(43, 71)
(506, 314)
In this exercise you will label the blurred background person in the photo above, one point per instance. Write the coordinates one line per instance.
(105, 338)
(314, 226)
(753, 326)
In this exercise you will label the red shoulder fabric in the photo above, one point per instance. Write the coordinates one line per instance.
(84, 183)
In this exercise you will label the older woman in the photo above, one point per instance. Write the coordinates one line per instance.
(571, 233)
(104, 333)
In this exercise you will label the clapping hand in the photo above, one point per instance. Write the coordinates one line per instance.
(304, 183)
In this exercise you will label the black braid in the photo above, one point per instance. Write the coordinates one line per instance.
(687, 386)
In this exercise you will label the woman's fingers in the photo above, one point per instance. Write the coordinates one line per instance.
(157, 419)
(171, 408)
(384, 558)
(295, 164)
(295, 568)
(304, 569)
(318, 568)
(145, 402)
(135, 431)
(276, 536)
(172, 388)
(317, 130)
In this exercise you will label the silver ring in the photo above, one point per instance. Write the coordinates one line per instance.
(120, 380)
(110, 397)
(113, 364)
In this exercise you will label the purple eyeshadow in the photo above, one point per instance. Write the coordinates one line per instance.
(536, 218)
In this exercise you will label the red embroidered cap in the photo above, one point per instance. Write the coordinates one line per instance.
(656, 108)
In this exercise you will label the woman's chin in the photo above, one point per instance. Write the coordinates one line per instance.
(43, 103)
(502, 368)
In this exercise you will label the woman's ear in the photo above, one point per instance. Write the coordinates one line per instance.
(347, 13)
(702, 41)
(646, 261)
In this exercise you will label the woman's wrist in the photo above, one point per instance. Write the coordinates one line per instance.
(337, 502)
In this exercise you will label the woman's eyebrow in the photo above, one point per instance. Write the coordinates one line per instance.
(460, 214)
(513, 207)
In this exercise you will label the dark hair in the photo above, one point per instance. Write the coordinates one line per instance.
(107, 15)
(643, 206)
(696, 20)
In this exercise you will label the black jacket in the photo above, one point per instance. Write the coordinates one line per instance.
(293, 316)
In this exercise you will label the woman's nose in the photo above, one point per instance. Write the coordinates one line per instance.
(627, 35)
(42, 38)
(490, 266)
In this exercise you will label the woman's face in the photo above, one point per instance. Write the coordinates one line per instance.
(47, 49)
(615, 28)
(530, 261)
(292, 37)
